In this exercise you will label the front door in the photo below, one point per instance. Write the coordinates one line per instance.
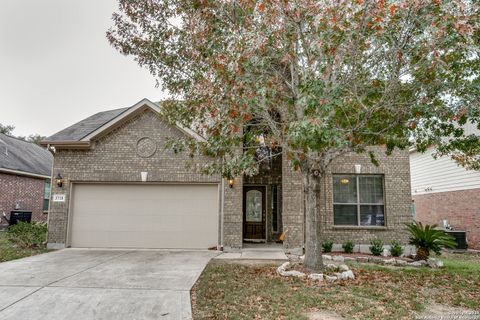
(254, 213)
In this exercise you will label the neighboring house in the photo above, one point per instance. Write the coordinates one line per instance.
(25, 171)
(443, 190)
(123, 189)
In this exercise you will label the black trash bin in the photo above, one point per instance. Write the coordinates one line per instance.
(20, 215)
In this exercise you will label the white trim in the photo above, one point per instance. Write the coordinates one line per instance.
(23, 173)
(124, 114)
(142, 103)
(70, 199)
(222, 212)
(191, 133)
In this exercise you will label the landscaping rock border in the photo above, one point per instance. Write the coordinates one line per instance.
(340, 272)
(283, 270)
(335, 265)
(431, 262)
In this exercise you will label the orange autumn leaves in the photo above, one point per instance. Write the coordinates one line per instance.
(261, 7)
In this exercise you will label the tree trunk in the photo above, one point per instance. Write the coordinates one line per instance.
(422, 253)
(313, 245)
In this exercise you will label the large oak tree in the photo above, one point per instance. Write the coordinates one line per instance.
(311, 80)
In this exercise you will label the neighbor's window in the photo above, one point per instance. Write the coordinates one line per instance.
(358, 200)
(46, 195)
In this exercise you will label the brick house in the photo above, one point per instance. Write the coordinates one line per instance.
(25, 171)
(443, 190)
(122, 188)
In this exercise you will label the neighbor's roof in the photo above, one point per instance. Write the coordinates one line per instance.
(21, 157)
(469, 128)
(80, 133)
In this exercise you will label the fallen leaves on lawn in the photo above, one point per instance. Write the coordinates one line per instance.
(229, 291)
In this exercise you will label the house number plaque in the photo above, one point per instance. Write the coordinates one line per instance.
(58, 198)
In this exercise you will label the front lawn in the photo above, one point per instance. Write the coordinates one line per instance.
(233, 291)
(8, 251)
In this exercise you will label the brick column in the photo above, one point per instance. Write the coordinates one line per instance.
(233, 216)
(58, 215)
(293, 208)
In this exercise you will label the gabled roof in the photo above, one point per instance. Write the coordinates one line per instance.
(24, 158)
(81, 129)
(80, 133)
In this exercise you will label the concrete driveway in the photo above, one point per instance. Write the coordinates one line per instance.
(101, 284)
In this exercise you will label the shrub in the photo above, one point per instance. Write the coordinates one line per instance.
(27, 235)
(348, 247)
(327, 246)
(427, 238)
(396, 249)
(376, 247)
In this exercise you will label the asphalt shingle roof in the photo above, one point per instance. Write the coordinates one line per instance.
(16, 154)
(83, 128)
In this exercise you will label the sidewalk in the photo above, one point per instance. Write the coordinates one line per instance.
(256, 252)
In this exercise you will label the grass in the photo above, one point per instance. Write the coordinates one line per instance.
(232, 291)
(10, 252)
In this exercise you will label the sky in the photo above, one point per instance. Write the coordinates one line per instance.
(57, 67)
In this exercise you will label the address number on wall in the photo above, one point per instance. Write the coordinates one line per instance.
(58, 198)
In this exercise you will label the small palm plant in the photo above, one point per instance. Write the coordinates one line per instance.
(427, 238)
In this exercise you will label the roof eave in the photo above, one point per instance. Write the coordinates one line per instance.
(139, 105)
(84, 143)
(66, 144)
(115, 121)
(24, 173)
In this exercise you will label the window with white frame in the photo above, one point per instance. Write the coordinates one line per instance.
(358, 200)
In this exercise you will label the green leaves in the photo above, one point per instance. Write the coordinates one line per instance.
(429, 238)
(312, 135)
(376, 246)
(27, 235)
(319, 79)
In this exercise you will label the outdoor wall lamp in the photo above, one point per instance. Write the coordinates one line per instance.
(59, 180)
(231, 182)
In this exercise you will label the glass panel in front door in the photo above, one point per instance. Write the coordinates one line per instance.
(254, 206)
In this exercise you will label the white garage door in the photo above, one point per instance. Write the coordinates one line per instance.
(144, 216)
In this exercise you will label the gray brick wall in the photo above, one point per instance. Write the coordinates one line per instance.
(397, 197)
(233, 216)
(292, 208)
(396, 171)
(114, 158)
